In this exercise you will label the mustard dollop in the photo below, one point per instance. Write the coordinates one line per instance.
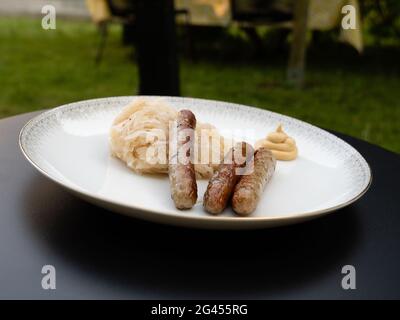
(281, 145)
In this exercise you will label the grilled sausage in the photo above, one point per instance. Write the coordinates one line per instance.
(249, 189)
(181, 168)
(222, 183)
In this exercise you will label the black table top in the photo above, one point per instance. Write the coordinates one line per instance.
(99, 254)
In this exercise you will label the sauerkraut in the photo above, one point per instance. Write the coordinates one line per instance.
(139, 137)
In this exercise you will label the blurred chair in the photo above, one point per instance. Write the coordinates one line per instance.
(299, 16)
(104, 12)
(262, 11)
(251, 13)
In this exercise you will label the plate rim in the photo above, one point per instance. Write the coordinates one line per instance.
(283, 219)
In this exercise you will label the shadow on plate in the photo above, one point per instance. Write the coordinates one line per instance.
(171, 262)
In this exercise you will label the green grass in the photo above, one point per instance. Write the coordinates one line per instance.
(355, 95)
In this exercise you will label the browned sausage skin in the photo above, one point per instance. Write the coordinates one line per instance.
(222, 183)
(250, 187)
(181, 168)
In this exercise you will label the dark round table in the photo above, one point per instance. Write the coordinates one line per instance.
(99, 254)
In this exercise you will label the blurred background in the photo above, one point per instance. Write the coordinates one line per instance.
(287, 56)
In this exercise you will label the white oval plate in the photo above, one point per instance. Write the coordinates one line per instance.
(69, 145)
